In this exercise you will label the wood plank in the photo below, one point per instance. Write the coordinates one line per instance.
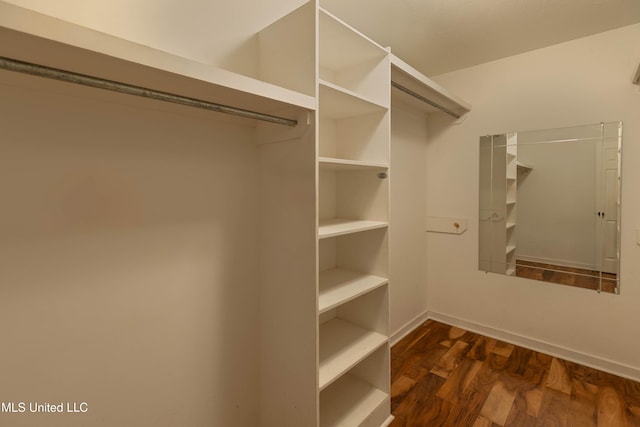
(481, 348)
(482, 422)
(518, 360)
(554, 409)
(502, 348)
(533, 399)
(518, 417)
(459, 380)
(456, 333)
(400, 388)
(582, 410)
(611, 408)
(450, 360)
(421, 405)
(498, 404)
(558, 378)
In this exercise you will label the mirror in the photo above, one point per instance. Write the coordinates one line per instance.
(550, 205)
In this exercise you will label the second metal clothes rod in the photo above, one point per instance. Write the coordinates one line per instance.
(425, 100)
(85, 80)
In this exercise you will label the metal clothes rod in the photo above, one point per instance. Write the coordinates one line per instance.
(425, 100)
(85, 80)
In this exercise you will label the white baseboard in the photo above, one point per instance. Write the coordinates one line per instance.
(408, 327)
(541, 346)
(388, 421)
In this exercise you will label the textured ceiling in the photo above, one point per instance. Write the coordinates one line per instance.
(437, 36)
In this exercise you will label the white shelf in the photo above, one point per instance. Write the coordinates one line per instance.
(511, 202)
(340, 103)
(511, 178)
(33, 37)
(340, 226)
(510, 272)
(510, 249)
(331, 163)
(523, 166)
(348, 402)
(510, 225)
(342, 346)
(338, 286)
(407, 76)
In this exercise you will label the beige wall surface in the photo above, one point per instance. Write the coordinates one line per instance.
(580, 82)
(408, 241)
(128, 260)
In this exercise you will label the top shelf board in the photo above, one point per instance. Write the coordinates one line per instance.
(342, 46)
(410, 78)
(330, 163)
(32, 37)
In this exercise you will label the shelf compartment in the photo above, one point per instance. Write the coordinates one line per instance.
(349, 402)
(351, 60)
(332, 163)
(353, 194)
(363, 252)
(342, 46)
(338, 286)
(287, 61)
(340, 226)
(342, 346)
(510, 249)
(339, 103)
(361, 138)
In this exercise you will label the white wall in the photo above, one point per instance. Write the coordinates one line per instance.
(408, 242)
(128, 259)
(578, 82)
(556, 221)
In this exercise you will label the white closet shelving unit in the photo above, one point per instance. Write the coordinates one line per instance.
(353, 212)
(413, 88)
(511, 202)
(336, 83)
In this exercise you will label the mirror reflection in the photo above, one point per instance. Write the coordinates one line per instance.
(550, 205)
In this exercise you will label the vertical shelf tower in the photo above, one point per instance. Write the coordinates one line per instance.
(353, 214)
(511, 200)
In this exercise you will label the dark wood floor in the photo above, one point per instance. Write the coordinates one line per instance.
(446, 376)
(571, 276)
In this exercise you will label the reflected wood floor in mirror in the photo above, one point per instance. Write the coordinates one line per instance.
(443, 376)
(570, 276)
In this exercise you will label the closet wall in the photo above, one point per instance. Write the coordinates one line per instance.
(111, 204)
(408, 244)
(587, 80)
